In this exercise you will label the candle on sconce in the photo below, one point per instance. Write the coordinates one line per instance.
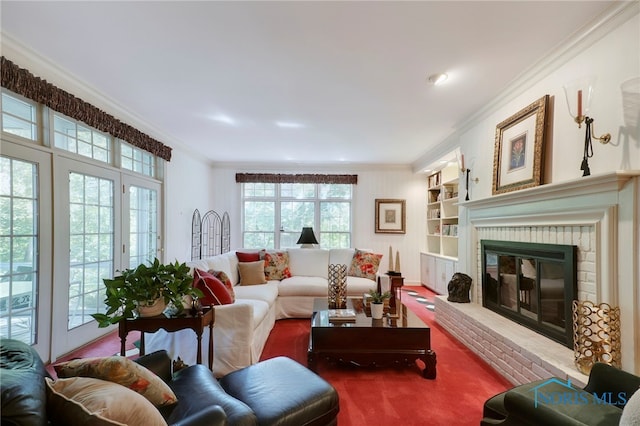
(462, 162)
(390, 259)
(397, 261)
(579, 103)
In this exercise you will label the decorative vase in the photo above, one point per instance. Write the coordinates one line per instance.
(377, 310)
(337, 286)
(155, 308)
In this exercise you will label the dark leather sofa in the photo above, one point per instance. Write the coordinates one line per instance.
(600, 402)
(278, 391)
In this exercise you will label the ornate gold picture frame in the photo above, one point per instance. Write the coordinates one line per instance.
(519, 149)
(390, 216)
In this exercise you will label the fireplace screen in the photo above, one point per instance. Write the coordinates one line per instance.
(531, 284)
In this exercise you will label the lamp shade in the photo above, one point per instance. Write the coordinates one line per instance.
(578, 94)
(307, 236)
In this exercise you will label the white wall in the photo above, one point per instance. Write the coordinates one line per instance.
(189, 186)
(613, 56)
(613, 59)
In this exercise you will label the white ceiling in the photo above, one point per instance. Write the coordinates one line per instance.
(350, 77)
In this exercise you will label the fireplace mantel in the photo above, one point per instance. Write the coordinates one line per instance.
(589, 185)
(598, 213)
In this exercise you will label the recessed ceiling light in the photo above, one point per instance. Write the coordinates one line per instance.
(221, 118)
(289, 125)
(437, 79)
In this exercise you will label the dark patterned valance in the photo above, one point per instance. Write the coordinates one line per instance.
(302, 178)
(22, 82)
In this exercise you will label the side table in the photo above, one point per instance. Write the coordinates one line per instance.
(152, 324)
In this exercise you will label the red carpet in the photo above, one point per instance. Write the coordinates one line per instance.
(400, 395)
(380, 396)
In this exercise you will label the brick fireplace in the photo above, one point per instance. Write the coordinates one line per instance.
(599, 215)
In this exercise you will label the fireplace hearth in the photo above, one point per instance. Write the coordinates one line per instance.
(532, 284)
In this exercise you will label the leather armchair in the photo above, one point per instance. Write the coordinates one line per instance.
(275, 392)
(599, 403)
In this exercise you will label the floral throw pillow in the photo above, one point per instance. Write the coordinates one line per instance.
(364, 264)
(121, 370)
(276, 265)
(226, 281)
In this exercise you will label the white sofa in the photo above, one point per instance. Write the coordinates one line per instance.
(241, 329)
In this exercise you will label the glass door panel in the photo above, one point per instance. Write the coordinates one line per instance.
(87, 245)
(91, 244)
(25, 232)
(141, 208)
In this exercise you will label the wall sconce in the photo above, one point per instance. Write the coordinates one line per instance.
(579, 94)
(465, 171)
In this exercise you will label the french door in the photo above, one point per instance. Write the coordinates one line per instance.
(25, 246)
(112, 221)
(87, 215)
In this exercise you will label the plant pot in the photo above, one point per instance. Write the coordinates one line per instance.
(146, 309)
(377, 310)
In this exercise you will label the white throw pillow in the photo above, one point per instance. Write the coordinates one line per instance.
(631, 412)
(307, 262)
(341, 256)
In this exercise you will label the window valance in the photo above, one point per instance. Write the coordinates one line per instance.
(297, 178)
(22, 82)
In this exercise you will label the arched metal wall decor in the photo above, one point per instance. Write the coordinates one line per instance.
(210, 234)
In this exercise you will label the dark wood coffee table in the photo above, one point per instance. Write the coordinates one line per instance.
(369, 342)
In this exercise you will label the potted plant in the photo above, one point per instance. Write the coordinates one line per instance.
(154, 287)
(377, 303)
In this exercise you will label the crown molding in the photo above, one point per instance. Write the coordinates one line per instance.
(310, 167)
(43, 67)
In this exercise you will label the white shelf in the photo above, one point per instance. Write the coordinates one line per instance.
(442, 213)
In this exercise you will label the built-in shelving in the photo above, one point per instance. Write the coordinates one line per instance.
(442, 212)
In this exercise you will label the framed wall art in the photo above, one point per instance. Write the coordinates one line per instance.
(519, 149)
(390, 216)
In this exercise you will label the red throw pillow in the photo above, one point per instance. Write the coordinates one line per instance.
(248, 257)
(215, 292)
(224, 278)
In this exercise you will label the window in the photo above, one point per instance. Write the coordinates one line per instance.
(18, 117)
(275, 213)
(74, 137)
(106, 217)
(137, 160)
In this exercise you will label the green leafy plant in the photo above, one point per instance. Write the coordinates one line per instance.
(143, 285)
(377, 297)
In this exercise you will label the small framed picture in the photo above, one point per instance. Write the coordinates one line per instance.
(390, 216)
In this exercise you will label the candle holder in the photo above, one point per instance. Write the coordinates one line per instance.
(467, 174)
(596, 335)
(337, 297)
